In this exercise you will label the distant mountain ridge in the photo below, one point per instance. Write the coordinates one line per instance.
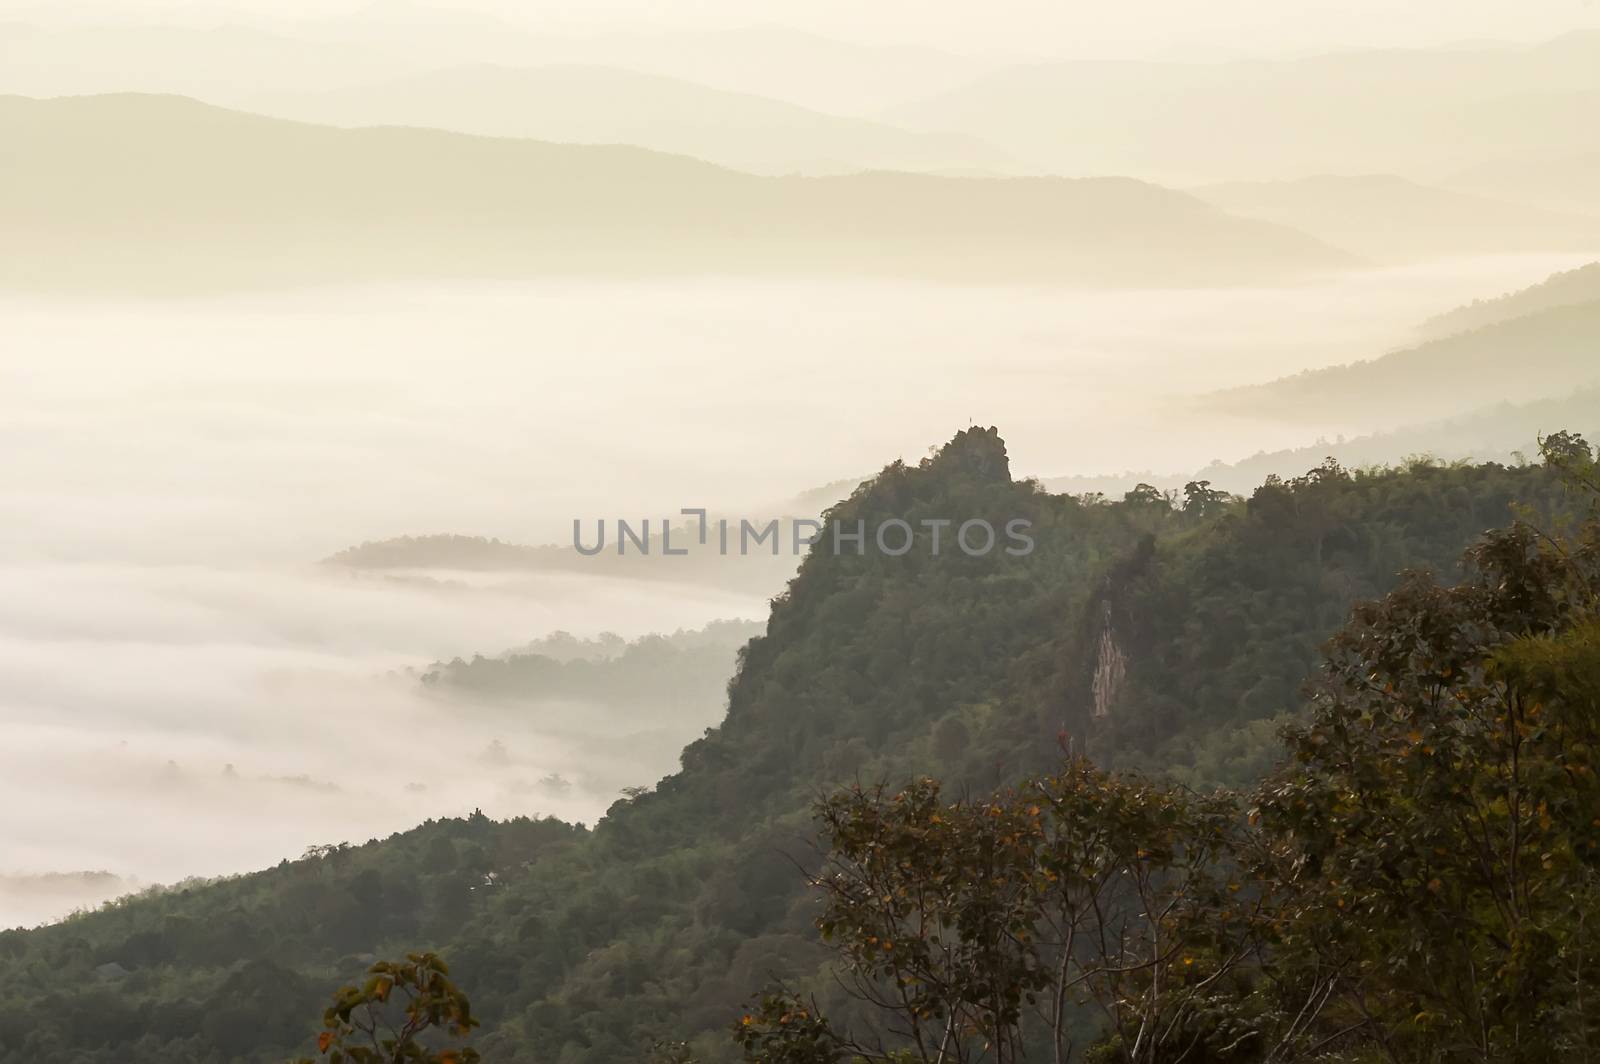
(1421, 113)
(232, 61)
(444, 550)
(1560, 181)
(1390, 219)
(1550, 352)
(165, 193)
(1486, 425)
(702, 564)
(581, 104)
(683, 671)
(1503, 432)
(1565, 289)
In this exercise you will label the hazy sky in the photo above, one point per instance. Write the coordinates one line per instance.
(1061, 27)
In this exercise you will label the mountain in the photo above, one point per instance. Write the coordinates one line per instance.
(606, 105)
(1415, 112)
(1507, 433)
(1392, 220)
(784, 63)
(234, 60)
(151, 192)
(1504, 432)
(1548, 353)
(444, 551)
(1565, 289)
(582, 945)
(214, 62)
(1561, 182)
(773, 62)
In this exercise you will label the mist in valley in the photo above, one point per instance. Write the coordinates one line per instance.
(601, 271)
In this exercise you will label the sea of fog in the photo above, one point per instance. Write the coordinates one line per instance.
(167, 720)
(185, 692)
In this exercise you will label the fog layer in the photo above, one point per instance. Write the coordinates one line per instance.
(187, 693)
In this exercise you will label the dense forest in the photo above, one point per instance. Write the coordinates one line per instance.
(1165, 632)
(1415, 882)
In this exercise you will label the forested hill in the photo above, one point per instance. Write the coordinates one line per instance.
(1188, 627)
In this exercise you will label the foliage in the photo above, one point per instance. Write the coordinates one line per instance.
(373, 1024)
(1418, 884)
(783, 1029)
(1439, 831)
(975, 927)
(582, 947)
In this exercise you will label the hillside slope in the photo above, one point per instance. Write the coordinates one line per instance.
(1566, 289)
(151, 192)
(1548, 353)
(580, 946)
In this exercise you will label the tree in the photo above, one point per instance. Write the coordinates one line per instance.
(1419, 884)
(995, 929)
(1438, 829)
(371, 1024)
(1145, 495)
(1201, 500)
(780, 1028)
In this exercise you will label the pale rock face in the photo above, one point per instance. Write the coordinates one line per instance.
(1110, 668)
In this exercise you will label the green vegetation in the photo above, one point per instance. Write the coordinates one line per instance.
(1418, 884)
(1148, 632)
(389, 1018)
(977, 929)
